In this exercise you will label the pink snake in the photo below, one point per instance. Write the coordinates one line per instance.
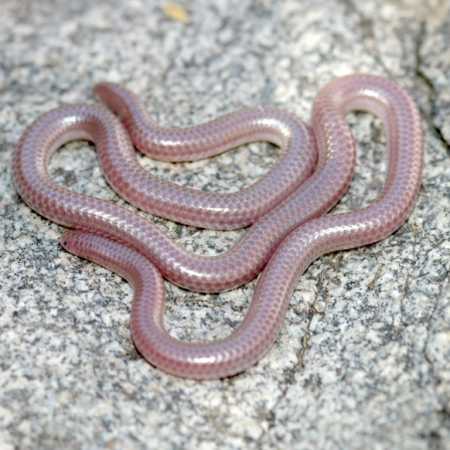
(286, 209)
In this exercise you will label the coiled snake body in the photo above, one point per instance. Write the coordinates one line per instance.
(285, 210)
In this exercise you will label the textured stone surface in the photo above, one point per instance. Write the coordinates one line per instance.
(363, 360)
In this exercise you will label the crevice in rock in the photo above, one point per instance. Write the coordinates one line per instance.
(289, 376)
(434, 437)
(290, 373)
(428, 83)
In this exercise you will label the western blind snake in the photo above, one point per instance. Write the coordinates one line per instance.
(286, 208)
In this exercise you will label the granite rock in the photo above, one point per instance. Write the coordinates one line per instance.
(363, 360)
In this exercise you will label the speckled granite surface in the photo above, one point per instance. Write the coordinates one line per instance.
(363, 361)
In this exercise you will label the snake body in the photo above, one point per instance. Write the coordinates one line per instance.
(286, 209)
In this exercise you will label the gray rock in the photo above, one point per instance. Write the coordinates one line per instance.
(363, 360)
